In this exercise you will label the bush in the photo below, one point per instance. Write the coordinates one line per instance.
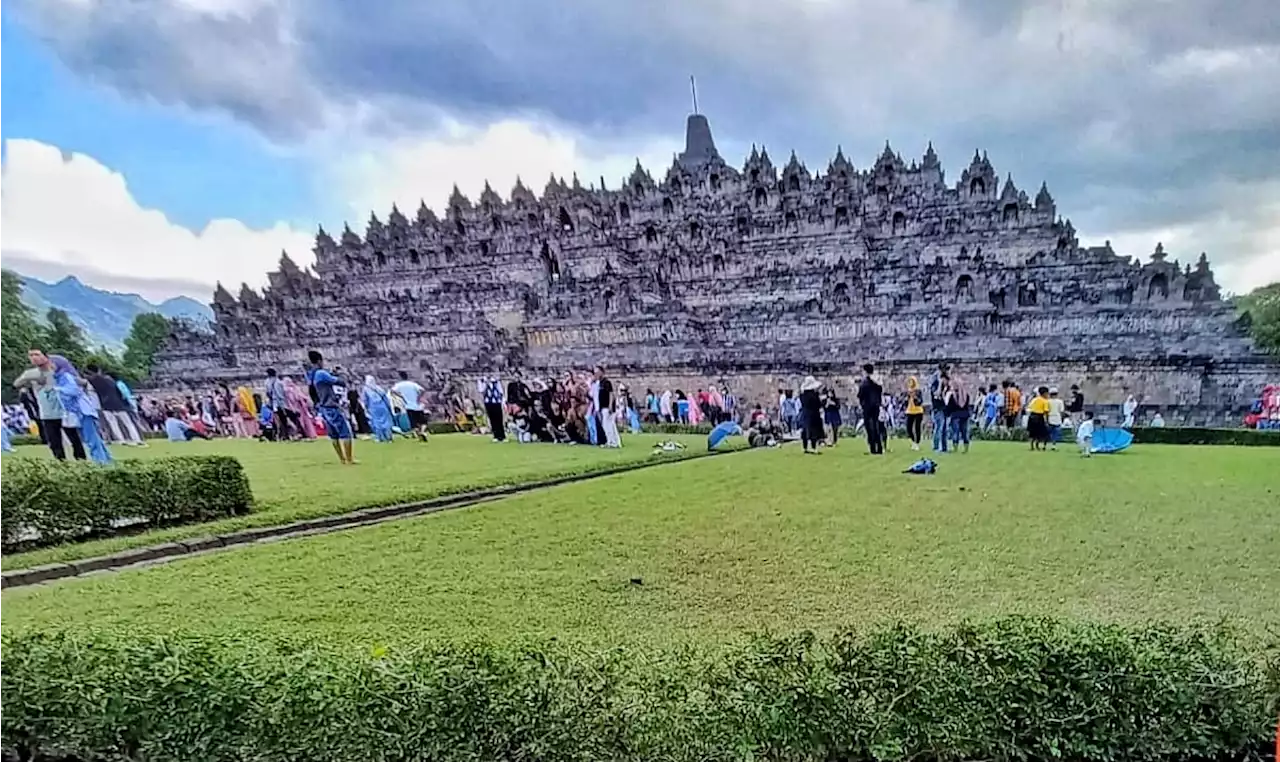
(47, 501)
(1141, 435)
(1011, 689)
(1247, 437)
(23, 440)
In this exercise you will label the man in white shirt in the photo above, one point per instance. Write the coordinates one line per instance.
(414, 403)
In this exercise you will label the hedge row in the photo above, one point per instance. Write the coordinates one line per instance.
(46, 502)
(1141, 435)
(21, 440)
(1008, 690)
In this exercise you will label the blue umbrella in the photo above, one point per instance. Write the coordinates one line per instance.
(1111, 440)
(721, 432)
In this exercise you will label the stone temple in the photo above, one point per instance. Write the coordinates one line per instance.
(750, 276)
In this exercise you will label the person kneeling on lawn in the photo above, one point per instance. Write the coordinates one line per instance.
(178, 430)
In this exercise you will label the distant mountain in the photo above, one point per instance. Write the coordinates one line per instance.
(105, 316)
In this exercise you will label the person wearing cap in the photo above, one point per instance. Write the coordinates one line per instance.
(1056, 409)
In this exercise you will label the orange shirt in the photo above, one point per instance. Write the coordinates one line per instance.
(1012, 400)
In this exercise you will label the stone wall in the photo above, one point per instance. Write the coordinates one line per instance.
(749, 274)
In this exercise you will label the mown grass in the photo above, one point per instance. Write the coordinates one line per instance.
(301, 480)
(757, 541)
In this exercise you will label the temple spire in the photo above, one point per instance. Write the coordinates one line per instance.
(699, 146)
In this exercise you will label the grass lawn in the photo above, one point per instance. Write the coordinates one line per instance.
(300, 480)
(762, 540)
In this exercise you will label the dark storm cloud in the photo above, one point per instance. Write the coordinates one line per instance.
(1138, 113)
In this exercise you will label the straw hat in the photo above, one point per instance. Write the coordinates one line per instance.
(809, 384)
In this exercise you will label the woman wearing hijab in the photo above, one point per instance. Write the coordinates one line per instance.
(1130, 411)
(811, 432)
(299, 407)
(247, 411)
(377, 405)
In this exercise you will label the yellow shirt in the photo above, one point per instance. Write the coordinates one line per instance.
(914, 398)
(1038, 405)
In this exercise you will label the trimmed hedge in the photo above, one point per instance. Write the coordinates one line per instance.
(1008, 690)
(1141, 435)
(77, 500)
(1189, 435)
(24, 440)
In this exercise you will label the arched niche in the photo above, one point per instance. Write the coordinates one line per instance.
(793, 182)
(1009, 213)
(977, 187)
(667, 206)
(842, 216)
(550, 263)
(964, 288)
(650, 234)
(1158, 287)
(565, 221)
(899, 223)
(624, 211)
(1028, 296)
(840, 294)
(761, 196)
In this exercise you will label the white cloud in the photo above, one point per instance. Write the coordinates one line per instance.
(425, 168)
(72, 215)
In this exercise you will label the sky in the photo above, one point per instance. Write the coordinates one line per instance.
(160, 146)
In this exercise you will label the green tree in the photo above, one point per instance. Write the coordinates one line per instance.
(64, 337)
(21, 332)
(146, 336)
(1261, 307)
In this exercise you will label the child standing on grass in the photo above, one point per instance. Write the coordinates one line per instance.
(1084, 435)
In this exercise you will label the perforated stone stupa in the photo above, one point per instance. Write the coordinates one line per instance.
(750, 276)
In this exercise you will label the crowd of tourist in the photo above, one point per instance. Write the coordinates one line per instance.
(82, 412)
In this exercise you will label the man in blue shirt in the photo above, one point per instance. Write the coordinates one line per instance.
(330, 392)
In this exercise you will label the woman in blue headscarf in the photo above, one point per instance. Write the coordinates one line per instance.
(80, 408)
(378, 408)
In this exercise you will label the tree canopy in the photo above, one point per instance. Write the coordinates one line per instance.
(146, 336)
(21, 332)
(1261, 308)
(60, 335)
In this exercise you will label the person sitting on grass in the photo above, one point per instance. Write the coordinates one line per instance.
(330, 392)
(179, 430)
